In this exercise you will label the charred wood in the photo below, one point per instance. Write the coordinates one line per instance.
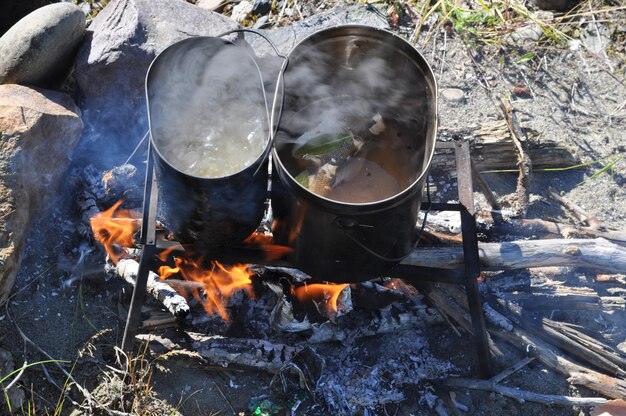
(249, 353)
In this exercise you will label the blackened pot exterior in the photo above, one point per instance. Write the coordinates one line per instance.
(348, 242)
(207, 212)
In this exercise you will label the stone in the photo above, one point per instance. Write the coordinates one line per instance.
(112, 63)
(241, 11)
(452, 94)
(596, 37)
(532, 32)
(39, 49)
(526, 35)
(261, 22)
(211, 4)
(38, 131)
(15, 396)
(286, 37)
(262, 7)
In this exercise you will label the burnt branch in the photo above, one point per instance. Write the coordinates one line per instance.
(524, 162)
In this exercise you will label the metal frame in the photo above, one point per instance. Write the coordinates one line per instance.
(467, 277)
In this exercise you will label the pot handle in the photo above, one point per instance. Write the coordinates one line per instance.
(346, 224)
(273, 122)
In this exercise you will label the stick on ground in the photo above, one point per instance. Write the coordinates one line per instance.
(522, 395)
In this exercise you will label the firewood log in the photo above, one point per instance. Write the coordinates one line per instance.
(592, 253)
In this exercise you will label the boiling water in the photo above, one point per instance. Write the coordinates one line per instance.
(208, 116)
(225, 146)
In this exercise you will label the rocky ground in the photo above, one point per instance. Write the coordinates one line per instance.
(564, 71)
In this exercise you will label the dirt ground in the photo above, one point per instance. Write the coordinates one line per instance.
(575, 96)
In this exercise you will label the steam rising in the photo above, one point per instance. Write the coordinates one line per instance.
(345, 84)
(207, 109)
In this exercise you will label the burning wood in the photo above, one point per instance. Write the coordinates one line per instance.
(218, 283)
(128, 269)
(114, 229)
(329, 299)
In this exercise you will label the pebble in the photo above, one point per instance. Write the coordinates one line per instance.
(452, 94)
(210, 4)
(241, 11)
(262, 22)
(39, 49)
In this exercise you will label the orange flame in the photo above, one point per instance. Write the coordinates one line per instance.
(265, 242)
(219, 283)
(320, 293)
(114, 229)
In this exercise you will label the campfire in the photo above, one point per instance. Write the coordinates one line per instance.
(194, 221)
(312, 268)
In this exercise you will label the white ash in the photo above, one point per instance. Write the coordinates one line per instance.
(376, 372)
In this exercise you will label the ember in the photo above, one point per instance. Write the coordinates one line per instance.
(219, 283)
(328, 295)
(115, 228)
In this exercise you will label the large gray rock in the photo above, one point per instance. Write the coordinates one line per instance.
(112, 63)
(39, 49)
(38, 130)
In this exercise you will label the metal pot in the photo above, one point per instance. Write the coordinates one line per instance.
(328, 72)
(187, 86)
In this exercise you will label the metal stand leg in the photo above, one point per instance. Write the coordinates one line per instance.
(471, 257)
(148, 241)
